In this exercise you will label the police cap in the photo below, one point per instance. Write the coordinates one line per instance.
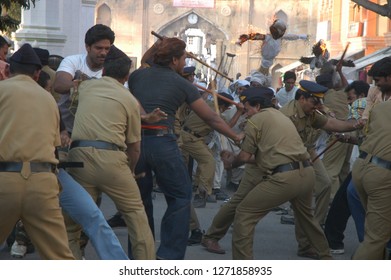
(253, 93)
(188, 70)
(26, 55)
(314, 89)
(43, 55)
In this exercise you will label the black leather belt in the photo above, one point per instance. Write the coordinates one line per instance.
(35, 167)
(290, 166)
(156, 132)
(103, 145)
(188, 130)
(376, 160)
(70, 164)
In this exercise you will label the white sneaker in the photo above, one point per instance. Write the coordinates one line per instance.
(337, 251)
(18, 250)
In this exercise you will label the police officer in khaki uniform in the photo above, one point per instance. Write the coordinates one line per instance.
(372, 170)
(289, 176)
(107, 124)
(252, 176)
(28, 185)
(192, 135)
(336, 160)
(302, 112)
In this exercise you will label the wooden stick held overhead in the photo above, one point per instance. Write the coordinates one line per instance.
(197, 59)
(344, 52)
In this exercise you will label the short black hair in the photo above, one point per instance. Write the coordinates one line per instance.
(359, 88)
(97, 33)
(289, 75)
(222, 102)
(4, 42)
(43, 79)
(117, 68)
(381, 68)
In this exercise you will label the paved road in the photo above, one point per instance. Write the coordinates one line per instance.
(273, 240)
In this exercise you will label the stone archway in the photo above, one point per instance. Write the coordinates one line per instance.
(103, 15)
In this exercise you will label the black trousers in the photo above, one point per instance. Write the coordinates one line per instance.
(338, 216)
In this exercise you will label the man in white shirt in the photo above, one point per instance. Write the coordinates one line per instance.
(98, 40)
(287, 93)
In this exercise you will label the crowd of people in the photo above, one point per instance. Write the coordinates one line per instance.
(104, 130)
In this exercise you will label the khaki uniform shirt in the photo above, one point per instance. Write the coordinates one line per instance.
(196, 124)
(378, 139)
(306, 125)
(337, 102)
(107, 111)
(273, 139)
(180, 117)
(30, 121)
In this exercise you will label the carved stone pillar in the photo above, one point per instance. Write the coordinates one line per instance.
(40, 26)
(57, 25)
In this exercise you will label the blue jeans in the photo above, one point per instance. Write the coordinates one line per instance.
(161, 155)
(357, 210)
(80, 206)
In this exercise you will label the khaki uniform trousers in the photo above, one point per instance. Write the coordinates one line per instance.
(225, 216)
(33, 198)
(199, 151)
(337, 163)
(295, 186)
(373, 184)
(322, 192)
(108, 172)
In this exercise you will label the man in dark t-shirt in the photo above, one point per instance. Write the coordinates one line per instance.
(160, 86)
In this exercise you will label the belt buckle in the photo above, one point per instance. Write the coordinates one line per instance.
(160, 132)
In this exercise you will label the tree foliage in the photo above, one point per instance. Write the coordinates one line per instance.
(8, 20)
(383, 10)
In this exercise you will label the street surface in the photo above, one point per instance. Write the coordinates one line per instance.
(273, 240)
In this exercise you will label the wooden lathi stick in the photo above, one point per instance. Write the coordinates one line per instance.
(197, 59)
(325, 150)
(218, 95)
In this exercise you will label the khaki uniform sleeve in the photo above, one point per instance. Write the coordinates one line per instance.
(133, 133)
(250, 141)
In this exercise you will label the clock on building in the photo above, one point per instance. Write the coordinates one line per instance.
(192, 18)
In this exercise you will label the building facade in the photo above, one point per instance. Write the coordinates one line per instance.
(209, 27)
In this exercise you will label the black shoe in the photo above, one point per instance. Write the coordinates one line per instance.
(158, 189)
(199, 201)
(211, 198)
(195, 237)
(30, 248)
(287, 220)
(116, 221)
(220, 195)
